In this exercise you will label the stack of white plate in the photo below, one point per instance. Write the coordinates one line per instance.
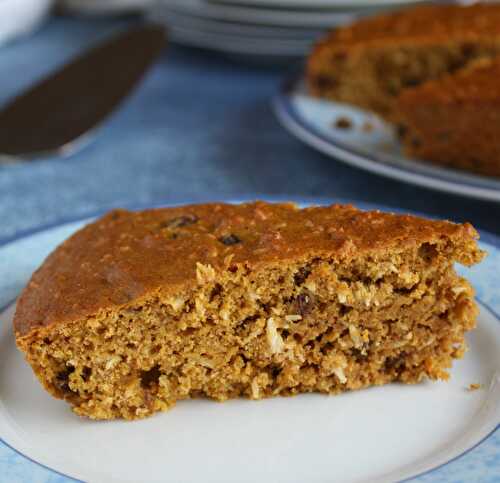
(19, 17)
(261, 27)
(103, 7)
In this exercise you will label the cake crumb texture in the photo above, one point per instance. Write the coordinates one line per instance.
(139, 310)
(370, 62)
(455, 121)
(474, 387)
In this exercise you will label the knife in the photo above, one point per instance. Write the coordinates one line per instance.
(50, 117)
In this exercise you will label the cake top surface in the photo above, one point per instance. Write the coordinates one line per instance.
(422, 24)
(476, 82)
(125, 256)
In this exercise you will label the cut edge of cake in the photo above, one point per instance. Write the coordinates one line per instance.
(453, 121)
(255, 325)
(369, 63)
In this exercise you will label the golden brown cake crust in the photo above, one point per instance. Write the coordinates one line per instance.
(439, 119)
(475, 83)
(125, 256)
(423, 24)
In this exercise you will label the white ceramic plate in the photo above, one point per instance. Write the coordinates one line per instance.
(376, 435)
(237, 44)
(376, 149)
(257, 32)
(308, 4)
(20, 17)
(104, 7)
(259, 41)
(257, 16)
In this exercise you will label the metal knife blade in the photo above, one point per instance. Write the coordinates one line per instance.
(79, 96)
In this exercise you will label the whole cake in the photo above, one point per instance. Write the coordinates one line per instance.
(455, 120)
(141, 309)
(372, 61)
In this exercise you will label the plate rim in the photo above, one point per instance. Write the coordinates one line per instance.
(486, 237)
(230, 43)
(317, 3)
(250, 14)
(299, 127)
(215, 25)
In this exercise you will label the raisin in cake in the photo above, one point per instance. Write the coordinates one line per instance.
(141, 309)
(455, 120)
(370, 62)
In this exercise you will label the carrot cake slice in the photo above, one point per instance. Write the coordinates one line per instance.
(455, 120)
(370, 62)
(141, 309)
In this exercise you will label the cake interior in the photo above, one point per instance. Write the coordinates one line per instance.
(439, 121)
(317, 324)
(372, 78)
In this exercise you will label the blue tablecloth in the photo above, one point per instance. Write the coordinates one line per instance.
(199, 127)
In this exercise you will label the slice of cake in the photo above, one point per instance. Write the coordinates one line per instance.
(370, 62)
(139, 310)
(455, 120)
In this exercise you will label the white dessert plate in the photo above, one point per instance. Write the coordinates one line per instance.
(258, 32)
(20, 17)
(104, 7)
(369, 143)
(238, 44)
(308, 4)
(259, 16)
(437, 431)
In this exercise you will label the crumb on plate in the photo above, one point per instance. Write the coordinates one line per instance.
(343, 122)
(474, 387)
